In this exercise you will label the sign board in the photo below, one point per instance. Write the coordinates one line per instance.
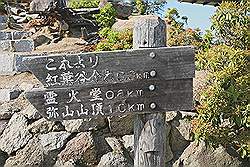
(111, 83)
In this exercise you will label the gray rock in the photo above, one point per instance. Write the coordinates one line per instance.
(180, 137)
(128, 142)
(84, 149)
(31, 155)
(39, 5)
(169, 153)
(53, 140)
(184, 128)
(6, 46)
(7, 110)
(40, 40)
(24, 45)
(82, 125)
(112, 159)
(3, 19)
(41, 126)
(3, 157)
(123, 10)
(3, 26)
(9, 94)
(6, 63)
(16, 135)
(120, 126)
(40, 151)
(3, 125)
(5, 35)
(31, 112)
(201, 155)
(115, 144)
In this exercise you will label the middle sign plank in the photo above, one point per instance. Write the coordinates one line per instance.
(110, 67)
(116, 99)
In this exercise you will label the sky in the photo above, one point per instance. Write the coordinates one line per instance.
(198, 15)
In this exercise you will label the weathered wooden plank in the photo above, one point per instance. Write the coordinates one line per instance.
(149, 129)
(110, 67)
(116, 99)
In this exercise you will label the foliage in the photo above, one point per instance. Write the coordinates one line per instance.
(224, 113)
(76, 4)
(230, 23)
(140, 6)
(149, 6)
(113, 40)
(177, 35)
(2, 5)
(106, 17)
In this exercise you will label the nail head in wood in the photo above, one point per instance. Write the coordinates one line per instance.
(153, 105)
(152, 87)
(153, 73)
(152, 55)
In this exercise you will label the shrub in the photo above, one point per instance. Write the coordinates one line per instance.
(224, 113)
(230, 23)
(112, 40)
(106, 17)
(75, 4)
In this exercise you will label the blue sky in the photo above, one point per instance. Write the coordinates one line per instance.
(198, 15)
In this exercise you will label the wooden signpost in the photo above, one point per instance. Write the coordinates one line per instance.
(138, 81)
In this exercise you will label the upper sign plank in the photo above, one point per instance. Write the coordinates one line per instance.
(100, 68)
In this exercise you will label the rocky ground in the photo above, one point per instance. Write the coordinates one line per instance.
(27, 139)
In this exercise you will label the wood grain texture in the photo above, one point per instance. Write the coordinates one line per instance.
(149, 129)
(110, 67)
(116, 99)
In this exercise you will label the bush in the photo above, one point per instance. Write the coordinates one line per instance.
(76, 4)
(230, 23)
(106, 17)
(112, 40)
(224, 113)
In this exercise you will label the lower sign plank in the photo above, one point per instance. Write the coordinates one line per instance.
(110, 100)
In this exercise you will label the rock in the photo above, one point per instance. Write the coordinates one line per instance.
(112, 159)
(40, 40)
(83, 150)
(16, 135)
(31, 155)
(41, 126)
(9, 94)
(5, 112)
(82, 125)
(170, 115)
(31, 112)
(184, 128)
(123, 10)
(24, 86)
(3, 157)
(3, 26)
(201, 155)
(169, 153)
(3, 125)
(41, 151)
(6, 63)
(53, 140)
(3, 19)
(24, 45)
(115, 144)
(120, 126)
(122, 25)
(180, 136)
(39, 5)
(128, 142)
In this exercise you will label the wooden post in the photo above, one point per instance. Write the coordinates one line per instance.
(149, 129)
